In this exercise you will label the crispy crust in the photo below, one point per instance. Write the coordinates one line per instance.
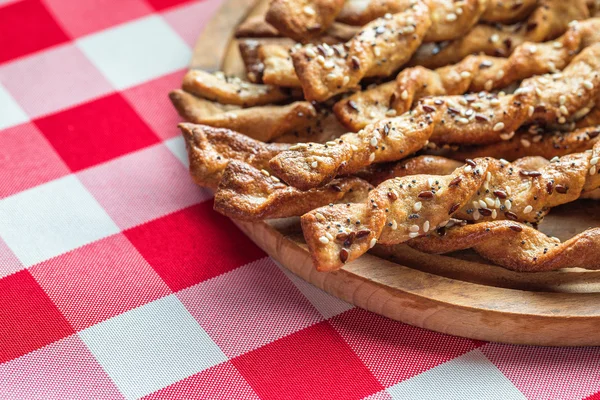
(231, 90)
(420, 165)
(249, 194)
(379, 49)
(549, 20)
(515, 246)
(210, 149)
(303, 19)
(278, 67)
(535, 143)
(256, 27)
(485, 189)
(263, 123)
(508, 11)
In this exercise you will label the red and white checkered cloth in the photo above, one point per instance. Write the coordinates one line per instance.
(117, 280)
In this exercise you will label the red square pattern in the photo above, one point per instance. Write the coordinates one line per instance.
(314, 363)
(152, 104)
(192, 245)
(595, 396)
(162, 4)
(27, 160)
(394, 351)
(27, 26)
(222, 381)
(86, 16)
(28, 318)
(117, 279)
(97, 131)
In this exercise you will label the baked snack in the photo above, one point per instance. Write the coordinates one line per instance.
(522, 112)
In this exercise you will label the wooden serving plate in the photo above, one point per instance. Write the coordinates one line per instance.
(459, 294)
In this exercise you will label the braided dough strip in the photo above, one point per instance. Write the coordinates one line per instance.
(470, 119)
(231, 90)
(379, 49)
(473, 74)
(515, 246)
(210, 149)
(250, 194)
(263, 123)
(549, 20)
(485, 189)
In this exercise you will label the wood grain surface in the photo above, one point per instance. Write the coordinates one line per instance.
(459, 294)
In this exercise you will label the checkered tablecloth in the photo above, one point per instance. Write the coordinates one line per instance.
(117, 280)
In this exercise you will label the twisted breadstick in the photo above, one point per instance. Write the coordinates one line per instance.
(250, 194)
(549, 20)
(484, 189)
(263, 123)
(515, 246)
(473, 74)
(482, 118)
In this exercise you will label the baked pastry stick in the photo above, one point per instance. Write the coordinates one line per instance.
(379, 49)
(263, 123)
(549, 20)
(534, 142)
(210, 149)
(252, 194)
(473, 74)
(484, 189)
(231, 90)
(361, 12)
(469, 119)
(514, 246)
(302, 20)
(278, 68)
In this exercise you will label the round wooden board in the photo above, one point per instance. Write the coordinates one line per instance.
(460, 294)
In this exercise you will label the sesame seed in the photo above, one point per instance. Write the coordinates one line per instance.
(417, 206)
(494, 101)
(508, 204)
(532, 49)
(353, 147)
(372, 243)
(372, 157)
(465, 74)
(413, 235)
(528, 209)
(563, 110)
(494, 214)
(404, 95)
(488, 85)
(525, 143)
(376, 51)
(490, 202)
(323, 240)
(468, 168)
(329, 236)
(494, 38)
(562, 120)
(476, 215)
(265, 172)
(498, 127)
(308, 10)
(319, 217)
(346, 80)
(451, 17)
(314, 164)
(500, 74)
(328, 64)
(463, 120)
(374, 141)
(310, 52)
(426, 226)
(475, 204)
(390, 113)
(593, 170)
(530, 110)
(594, 160)
(508, 190)
(504, 162)
(507, 136)
(414, 228)
(488, 176)
(588, 85)
(562, 99)
(394, 225)
(497, 203)
(482, 204)
(275, 179)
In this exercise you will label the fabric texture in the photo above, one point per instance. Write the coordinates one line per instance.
(118, 280)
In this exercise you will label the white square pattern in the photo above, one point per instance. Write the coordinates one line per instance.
(52, 219)
(151, 347)
(177, 147)
(10, 112)
(136, 52)
(470, 376)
